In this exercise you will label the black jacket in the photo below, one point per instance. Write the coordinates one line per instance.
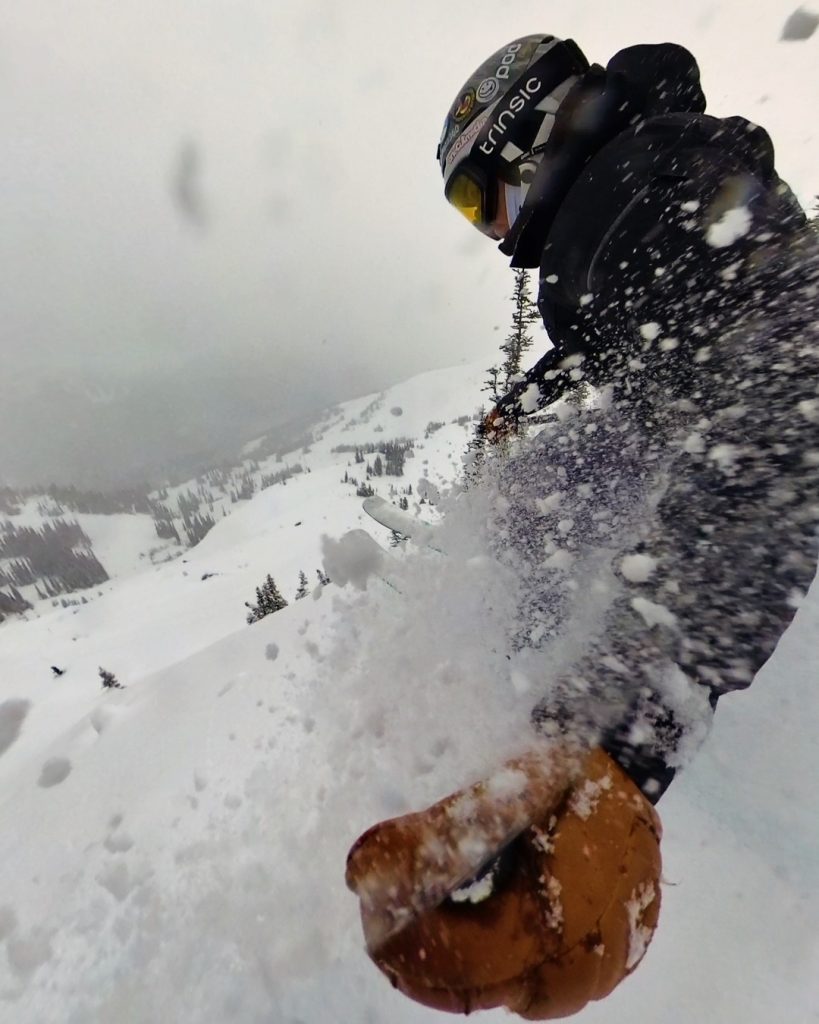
(618, 216)
(677, 277)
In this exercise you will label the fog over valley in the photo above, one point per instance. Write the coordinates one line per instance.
(103, 431)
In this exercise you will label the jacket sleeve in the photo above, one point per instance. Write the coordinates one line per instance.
(731, 548)
(547, 381)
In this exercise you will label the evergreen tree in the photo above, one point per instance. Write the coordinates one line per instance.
(109, 680)
(492, 384)
(302, 591)
(323, 578)
(268, 600)
(519, 339)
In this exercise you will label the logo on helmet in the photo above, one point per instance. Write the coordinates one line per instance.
(487, 90)
(465, 139)
(464, 106)
(490, 86)
(507, 60)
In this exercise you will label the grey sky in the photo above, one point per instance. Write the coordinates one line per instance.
(305, 133)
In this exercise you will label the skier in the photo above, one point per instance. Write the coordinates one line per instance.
(676, 464)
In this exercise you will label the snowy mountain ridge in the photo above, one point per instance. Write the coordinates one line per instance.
(175, 850)
(161, 525)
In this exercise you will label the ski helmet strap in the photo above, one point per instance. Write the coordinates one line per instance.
(512, 126)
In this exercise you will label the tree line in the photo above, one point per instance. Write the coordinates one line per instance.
(55, 559)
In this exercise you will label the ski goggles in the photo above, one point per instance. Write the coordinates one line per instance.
(474, 194)
(480, 198)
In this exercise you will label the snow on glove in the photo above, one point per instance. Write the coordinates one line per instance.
(496, 426)
(558, 920)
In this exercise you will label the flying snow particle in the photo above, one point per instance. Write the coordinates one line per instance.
(725, 456)
(550, 503)
(529, 398)
(650, 331)
(732, 225)
(561, 560)
(638, 568)
(353, 558)
(653, 614)
(809, 408)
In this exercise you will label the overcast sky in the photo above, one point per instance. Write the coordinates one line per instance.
(254, 180)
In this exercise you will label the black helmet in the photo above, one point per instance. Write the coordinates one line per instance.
(502, 115)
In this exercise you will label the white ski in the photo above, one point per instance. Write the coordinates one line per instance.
(395, 519)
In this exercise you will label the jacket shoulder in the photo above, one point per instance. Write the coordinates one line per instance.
(635, 173)
(664, 77)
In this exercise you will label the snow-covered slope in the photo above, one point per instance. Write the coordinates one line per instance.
(127, 543)
(174, 851)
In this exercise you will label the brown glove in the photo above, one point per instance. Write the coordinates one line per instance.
(564, 914)
(495, 426)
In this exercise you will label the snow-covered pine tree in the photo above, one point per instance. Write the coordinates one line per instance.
(268, 600)
(302, 590)
(323, 578)
(519, 339)
(492, 384)
(109, 680)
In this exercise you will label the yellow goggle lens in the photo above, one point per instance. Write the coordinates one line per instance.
(467, 199)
